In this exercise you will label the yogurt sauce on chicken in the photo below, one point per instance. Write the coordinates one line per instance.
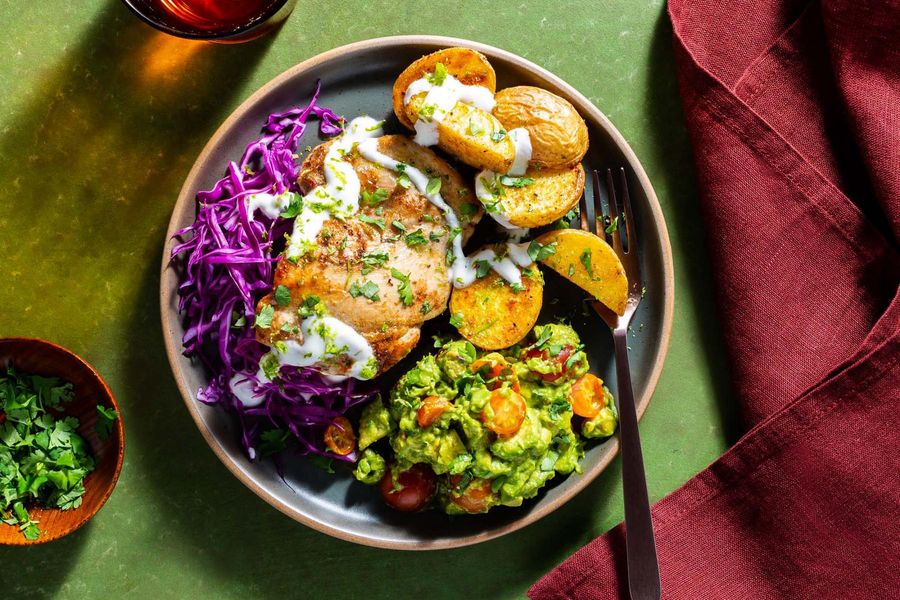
(324, 337)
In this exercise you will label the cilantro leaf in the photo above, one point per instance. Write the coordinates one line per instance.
(434, 186)
(369, 289)
(264, 317)
(282, 295)
(537, 252)
(416, 238)
(405, 288)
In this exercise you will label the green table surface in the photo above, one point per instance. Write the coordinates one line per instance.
(101, 118)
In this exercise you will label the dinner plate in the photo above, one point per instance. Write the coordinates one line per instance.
(357, 79)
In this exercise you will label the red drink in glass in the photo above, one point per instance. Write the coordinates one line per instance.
(217, 20)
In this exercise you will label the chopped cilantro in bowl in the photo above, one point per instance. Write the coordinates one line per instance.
(43, 461)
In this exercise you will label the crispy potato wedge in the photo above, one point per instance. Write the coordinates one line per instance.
(552, 193)
(576, 249)
(559, 136)
(466, 134)
(467, 65)
(492, 315)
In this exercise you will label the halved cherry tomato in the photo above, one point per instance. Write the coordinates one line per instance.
(586, 396)
(560, 359)
(495, 371)
(475, 498)
(431, 410)
(339, 436)
(417, 487)
(509, 412)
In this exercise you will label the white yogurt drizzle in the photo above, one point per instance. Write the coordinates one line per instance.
(339, 195)
(464, 269)
(325, 338)
(443, 98)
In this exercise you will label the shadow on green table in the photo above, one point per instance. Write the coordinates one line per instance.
(89, 159)
(670, 143)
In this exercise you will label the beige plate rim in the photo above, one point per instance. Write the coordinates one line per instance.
(589, 111)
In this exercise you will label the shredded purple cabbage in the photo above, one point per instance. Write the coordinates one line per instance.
(228, 259)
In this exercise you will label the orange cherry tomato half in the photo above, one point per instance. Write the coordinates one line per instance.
(417, 487)
(495, 371)
(431, 410)
(475, 498)
(339, 436)
(587, 397)
(509, 412)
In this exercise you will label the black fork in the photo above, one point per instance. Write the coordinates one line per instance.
(643, 567)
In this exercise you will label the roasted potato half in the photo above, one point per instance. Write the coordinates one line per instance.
(538, 198)
(559, 136)
(467, 65)
(590, 263)
(491, 315)
(468, 133)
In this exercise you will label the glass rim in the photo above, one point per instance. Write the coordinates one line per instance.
(199, 35)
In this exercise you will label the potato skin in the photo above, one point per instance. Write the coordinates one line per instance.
(475, 149)
(606, 280)
(559, 136)
(493, 315)
(469, 66)
(553, 193)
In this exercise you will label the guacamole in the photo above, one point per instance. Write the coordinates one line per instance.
(493, 426)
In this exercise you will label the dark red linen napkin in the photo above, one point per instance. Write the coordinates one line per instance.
(794, 114)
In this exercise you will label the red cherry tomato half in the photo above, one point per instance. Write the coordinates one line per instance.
(416, 488)
(560, 360)
(495, 371)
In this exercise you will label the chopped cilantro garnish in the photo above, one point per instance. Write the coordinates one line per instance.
(537, 252)
(264, 317)
(586, 261)
(295, 205)
(416, 238)
(498, 135)
(439, 75)
(373, 259)
(426, 308)
(105, 419)
(456, 320)
(379, 223)
(270, 365)
(282, 295)
(374, 198)
(558, 407)
(398, 225)
(516, 182)
(42, 459)
(368, 289)
(434, 186)
(613, 225)
(273, 441)
(482, 268)
(468, 209)
(311, 305)
(405, 288)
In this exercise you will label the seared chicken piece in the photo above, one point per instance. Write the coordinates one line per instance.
(358, 266)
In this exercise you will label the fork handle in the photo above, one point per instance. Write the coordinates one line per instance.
(643, 568)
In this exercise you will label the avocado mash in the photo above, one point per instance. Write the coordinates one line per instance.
(493, 426)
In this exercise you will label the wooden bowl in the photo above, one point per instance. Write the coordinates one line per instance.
(40, 357)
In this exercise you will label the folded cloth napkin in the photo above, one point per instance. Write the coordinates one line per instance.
(793, 108)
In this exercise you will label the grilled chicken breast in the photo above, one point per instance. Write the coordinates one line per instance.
(358, 266)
